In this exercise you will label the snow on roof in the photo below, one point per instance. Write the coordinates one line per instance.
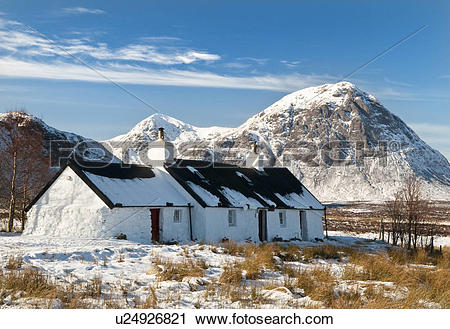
(269, 202)
(295, 200)
(212, 185)
(237, 199)
(224, 185)
(154, 191)
(210, 199)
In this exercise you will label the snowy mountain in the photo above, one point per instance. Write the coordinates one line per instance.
(341, 142)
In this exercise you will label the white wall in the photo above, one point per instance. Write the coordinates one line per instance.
(314, 224)
(217, 228)
(197, 211)
(290, 231)
(173, 231)
(69, 208)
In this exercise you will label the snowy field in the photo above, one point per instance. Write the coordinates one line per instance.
(130, 272)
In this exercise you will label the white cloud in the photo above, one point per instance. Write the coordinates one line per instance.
(438, 136)
(25, 42)
(290, 63)
(152, 54)
(82, 10)
(27, 54)
(131, 74)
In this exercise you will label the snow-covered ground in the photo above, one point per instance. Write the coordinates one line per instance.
(130, 271)
(126, 265)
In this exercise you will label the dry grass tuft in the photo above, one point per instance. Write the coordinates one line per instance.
(14, 262)
(233, 248)
(232, 274)
(93, 288)
(30, 282)
(177, 271)
(258, 259)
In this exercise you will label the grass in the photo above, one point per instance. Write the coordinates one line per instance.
(394, 278)
(422, 284)
(232, 274)
(177, 271)
(14, 262)
(29, 282)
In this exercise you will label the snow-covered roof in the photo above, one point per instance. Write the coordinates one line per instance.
(150, 191)
(211, 184)
(224, 185)
(120, 185)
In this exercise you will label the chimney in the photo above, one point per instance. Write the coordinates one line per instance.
(160, 151)
(161, 133)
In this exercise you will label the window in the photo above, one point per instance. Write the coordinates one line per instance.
(177, 216)
(231, 217)
(282, 216)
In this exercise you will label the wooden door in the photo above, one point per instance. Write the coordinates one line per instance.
(155, 224)
(262, 225)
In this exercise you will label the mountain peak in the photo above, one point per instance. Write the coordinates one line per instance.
(302, 127)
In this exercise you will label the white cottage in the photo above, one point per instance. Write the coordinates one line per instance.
(175, 200)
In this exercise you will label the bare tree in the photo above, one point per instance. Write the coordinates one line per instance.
(23, 167)
(410, 215)
(415, 208)
(394, 212)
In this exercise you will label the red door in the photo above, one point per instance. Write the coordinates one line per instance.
(155, 224)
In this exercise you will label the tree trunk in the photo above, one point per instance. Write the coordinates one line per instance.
(12, 201)
(24, 203)
(409, 233)
(415, 235)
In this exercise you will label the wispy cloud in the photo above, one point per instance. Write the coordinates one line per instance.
(131, 74)
(397, 83)
(82, 10)
(290, 63)
(259, 61)
(14, 37)
(27, 54)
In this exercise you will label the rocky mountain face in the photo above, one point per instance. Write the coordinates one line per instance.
(341, 142)
(56, 145)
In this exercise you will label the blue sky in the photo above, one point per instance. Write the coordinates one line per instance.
(219, 62)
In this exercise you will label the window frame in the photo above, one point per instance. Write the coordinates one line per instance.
(282, 218)
(180, 216)
(233, 214)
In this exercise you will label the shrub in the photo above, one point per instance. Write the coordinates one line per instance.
(14, 262)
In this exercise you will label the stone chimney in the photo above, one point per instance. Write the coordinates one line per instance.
(254, 159)
(160, 151)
